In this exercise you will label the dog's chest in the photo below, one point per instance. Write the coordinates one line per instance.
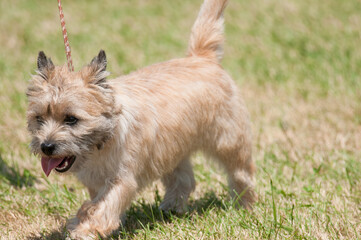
(96, 171)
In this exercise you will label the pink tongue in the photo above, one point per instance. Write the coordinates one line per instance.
(49, 164)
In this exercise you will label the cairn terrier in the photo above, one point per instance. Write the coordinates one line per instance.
(118, 136)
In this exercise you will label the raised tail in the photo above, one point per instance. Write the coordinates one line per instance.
(207, 32)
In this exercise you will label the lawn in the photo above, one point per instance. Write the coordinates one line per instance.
(298, 65)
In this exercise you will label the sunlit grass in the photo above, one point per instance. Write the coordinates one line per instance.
(298, 64)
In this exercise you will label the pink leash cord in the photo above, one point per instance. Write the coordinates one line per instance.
(66, 41)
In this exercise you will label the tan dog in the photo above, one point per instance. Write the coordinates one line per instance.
(119, 135)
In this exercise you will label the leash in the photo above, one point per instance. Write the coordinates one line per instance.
(66, 41)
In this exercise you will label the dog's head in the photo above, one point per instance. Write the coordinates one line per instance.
(70, 114)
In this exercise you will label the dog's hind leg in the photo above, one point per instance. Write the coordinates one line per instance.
(179, 184)
(233, 148)
(241, 184)
(240, 169)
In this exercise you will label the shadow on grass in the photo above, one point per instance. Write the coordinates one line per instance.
(14, 176)
(146, 216)
(55, 235)
(142, 215)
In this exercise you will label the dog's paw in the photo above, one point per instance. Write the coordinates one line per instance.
(177, 207)
(79, 236)
(91, 221)
(76, 230)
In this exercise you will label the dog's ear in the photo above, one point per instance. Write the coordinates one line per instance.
(98, 69)
(99, 63)
(45, 65)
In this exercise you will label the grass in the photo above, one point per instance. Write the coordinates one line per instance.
(298, 64)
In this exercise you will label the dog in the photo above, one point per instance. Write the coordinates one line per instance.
(119, 135)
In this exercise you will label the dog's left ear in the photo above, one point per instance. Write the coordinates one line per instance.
(98, 69)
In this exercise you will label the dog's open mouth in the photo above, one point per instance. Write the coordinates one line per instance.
(61, 164)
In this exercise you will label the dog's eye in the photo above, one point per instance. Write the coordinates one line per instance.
(70, 120)
(40, 120)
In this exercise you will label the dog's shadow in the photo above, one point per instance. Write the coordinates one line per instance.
(14, 176)
(142, 215)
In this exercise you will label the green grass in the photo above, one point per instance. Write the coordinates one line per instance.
(298, 64)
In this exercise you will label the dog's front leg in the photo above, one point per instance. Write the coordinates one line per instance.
(101, 214)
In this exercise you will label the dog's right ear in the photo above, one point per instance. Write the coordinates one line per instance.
(45, 65)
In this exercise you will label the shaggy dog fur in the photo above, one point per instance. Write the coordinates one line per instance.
(119, 135)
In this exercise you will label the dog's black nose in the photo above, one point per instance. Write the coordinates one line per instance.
(47, 148)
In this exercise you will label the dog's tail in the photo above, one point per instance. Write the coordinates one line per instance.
(207, 32)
